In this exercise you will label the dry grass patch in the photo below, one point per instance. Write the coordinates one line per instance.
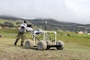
(72, 51)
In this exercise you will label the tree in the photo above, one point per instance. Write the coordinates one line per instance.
(9, 24)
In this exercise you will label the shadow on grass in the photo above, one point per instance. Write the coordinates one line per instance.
(35, 48)
(12, 45)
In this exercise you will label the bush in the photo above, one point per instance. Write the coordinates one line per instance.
(9, 24)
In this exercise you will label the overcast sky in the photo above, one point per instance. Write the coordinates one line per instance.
(77, 11)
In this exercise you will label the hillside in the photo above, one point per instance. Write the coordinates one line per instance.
(9, 17)
(51, 24)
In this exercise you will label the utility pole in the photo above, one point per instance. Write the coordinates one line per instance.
(45, 24)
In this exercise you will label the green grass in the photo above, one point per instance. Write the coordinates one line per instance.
(72, 51)
(79, 39)
(77, 47)
(8, 31)
(83, 39)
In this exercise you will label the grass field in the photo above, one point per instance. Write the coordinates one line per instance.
(77, 47)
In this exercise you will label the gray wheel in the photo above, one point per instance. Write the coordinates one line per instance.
(42, 45)
(60, 45)
(29, 44)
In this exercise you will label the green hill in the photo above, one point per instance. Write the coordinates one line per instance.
(57, 25)
(51, 24)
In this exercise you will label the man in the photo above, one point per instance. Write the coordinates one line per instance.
(21, 33)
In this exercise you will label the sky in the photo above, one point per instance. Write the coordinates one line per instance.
(77, 11)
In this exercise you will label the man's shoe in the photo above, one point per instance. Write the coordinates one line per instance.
(15, 44)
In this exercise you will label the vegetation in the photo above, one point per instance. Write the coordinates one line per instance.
(57, 25)
(82, 39)
(51, 24)
(13, 22)
(8, 31)
(76, 48)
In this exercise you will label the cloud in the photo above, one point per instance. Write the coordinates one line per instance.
(80, 7)
(62, 10)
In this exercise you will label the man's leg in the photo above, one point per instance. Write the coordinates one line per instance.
(22, 39)
(18, 37)
(22, 43)
(15, 43)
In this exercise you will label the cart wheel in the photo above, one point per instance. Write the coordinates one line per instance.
(29, 44)
(42, 45)
(60, 45)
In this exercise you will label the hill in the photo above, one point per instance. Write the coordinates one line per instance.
(9, 17)
(55, 25)
(51, 24)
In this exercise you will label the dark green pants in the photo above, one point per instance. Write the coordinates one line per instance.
(20, 36)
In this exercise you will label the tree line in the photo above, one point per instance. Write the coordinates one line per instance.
(9, 24)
